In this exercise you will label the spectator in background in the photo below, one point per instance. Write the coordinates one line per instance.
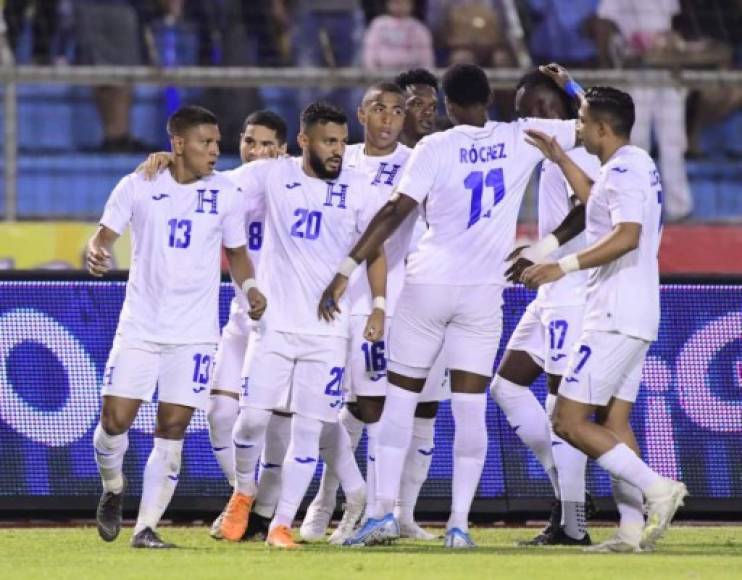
(396, 40)
(43, 17)
(629, 32)
(562, 32)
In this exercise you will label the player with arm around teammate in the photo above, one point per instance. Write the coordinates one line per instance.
(168, 328)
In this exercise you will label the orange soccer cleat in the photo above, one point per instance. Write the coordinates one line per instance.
(236, 514)
(281, 537)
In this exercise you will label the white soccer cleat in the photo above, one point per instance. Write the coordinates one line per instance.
(662, 501)
(351, 515)
(216, 527)
(316, 521)
(625, 541)
(412, 531)
(458, 539)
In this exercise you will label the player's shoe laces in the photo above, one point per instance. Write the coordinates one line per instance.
(375, 531)
(108, 515)
(316, 521)
(148, 539)
(351, 515)
(236, 515)
(215, 531)
(662, 501)
(413, 531)
(625, 541)
(257, 528)
(458, 539)
(281, 537)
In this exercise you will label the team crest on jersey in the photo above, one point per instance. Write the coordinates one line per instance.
(338, 191)
(207, 197)
(386, 173)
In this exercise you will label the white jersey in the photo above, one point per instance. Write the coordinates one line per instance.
(555, 201)
(310, 226)
(624, 296)
(471, 182)
(177, 233)
(382, 175)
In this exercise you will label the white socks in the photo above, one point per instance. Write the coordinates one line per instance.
(529, 421)
(160, 478)
(222, 414)
(469, 451)
(298, 467)
(271, 461)
(622, 463)
(630, 504)
(372, 440)
(417, 464)
(337, 452)
(109, 455)
(395, 434)
(249, 437)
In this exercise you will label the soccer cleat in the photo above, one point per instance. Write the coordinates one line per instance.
(624, 542)
(316, 521)
(257, 528)
(149, 539)
(375, 531)
(109, 513)
(215, 531)
(558, 537)
(412, 531)
(662, 501)
(458, 539)
(351, 515)
(543, 537)
(281, 537)
(236, 515)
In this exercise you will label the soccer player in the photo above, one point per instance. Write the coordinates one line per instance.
(549, 327)
(622, 311)
(381, 158)
(169, 327)
(421, 103)
(314, 209)
(470, 181)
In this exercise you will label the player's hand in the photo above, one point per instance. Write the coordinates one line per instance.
(547, 144)
(557, 73)
(514, 273)
(154, 164)
(328, 303)
(515, 253)
(258, 303)
(374, 330)
(539, 274)
(98, 260)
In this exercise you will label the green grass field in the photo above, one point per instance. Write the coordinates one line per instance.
(686, 552)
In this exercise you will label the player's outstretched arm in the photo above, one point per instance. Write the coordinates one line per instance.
(561, 77)
(376, 270)
(623, 238)
(154, 164)
(98, 251)
(243, 273)
(383, 225)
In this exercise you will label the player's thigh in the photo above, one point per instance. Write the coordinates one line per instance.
(603, 365)
(472, 336)
(229, 358)
(366, 370)
(561, 328)
(523, 360)
(185, 374)
(131, 371)
(267, 371)
(437, 385)
(316, 389)
(417, 329)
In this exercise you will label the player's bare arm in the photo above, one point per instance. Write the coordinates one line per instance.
(623, 239)
(98, 252)
(243, 273)
(154, 164)
(376, 269)
(382, 226)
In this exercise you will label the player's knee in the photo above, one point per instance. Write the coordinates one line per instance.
(222, 412)
(369, 409)
(171, 427)
(114, 422)
(564, 427)
(427, 410)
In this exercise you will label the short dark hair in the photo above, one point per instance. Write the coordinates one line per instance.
(383, 87)
(188, 117)
(416, 76)
(613, 106)
(535, 79)
(322, 112)
(466, 85)
(269, 119)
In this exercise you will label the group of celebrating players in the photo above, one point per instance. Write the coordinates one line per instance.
(316, 350)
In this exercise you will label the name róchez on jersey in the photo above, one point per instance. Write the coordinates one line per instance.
(482, 154)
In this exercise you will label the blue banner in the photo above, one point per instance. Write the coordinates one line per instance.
(55, 337)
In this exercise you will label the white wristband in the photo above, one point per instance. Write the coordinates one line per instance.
(347, 267)
(380, 303)
(569, 263)
(538, 251)
(247, 284)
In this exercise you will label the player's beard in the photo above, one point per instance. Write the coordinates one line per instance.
(318, 166)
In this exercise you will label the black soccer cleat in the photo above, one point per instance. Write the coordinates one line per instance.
(257, 528)
(555, 520)
(148, 539)
(109, 514)
(558, 537)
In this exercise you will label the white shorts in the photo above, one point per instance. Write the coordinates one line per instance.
(366, 374)
(230, 354)
(603, 365)
(294, 373)
(547, 334)
(181, 372)
(467, 318)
